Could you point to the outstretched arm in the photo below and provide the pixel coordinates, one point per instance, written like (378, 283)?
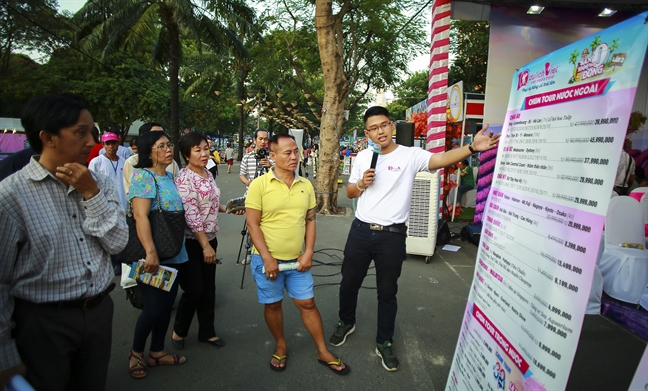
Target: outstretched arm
(481, 142)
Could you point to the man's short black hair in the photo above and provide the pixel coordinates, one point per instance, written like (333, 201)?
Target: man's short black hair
(134, 141)
(145, 147)
(375, 110)
(50, 114)
(256, 132)
(147, 127)
(190, 140)
(274, 140)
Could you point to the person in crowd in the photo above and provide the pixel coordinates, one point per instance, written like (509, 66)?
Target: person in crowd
(59, 223)
(304, 161)
(110, 164)
(625, 172)
(285, 232)
(229, 157)
(315, 159)
(15, 162)
(214, 158)
(133, 146)
(131, 162)
(121, 150)
(155, 155)
(201, 201)
(250, 147)
(467, 182)
(94, 152)
(378, 232)
(640, 178)
(250, 163)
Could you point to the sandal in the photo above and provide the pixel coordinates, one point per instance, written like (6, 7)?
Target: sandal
(344, 371)
(280, 359)
(138, 370)
(177, 360)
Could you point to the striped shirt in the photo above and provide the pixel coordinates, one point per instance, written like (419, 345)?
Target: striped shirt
(249, 166)
(54, 246)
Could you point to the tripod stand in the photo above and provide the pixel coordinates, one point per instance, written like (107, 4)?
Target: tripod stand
(245, 235)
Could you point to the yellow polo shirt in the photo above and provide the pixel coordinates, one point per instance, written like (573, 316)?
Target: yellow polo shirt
(283, 213)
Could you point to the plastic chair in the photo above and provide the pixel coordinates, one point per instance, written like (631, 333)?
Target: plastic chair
(624, 270)
(638, 192)
(594, 302)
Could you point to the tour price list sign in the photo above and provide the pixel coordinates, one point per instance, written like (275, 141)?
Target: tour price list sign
(557, 160)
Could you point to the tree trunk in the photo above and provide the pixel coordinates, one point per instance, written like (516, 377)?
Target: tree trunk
(175, 51)
(329, 39)
(241, 112)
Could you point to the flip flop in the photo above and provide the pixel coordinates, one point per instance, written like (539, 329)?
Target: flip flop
(177, 360)
(346, 369)
(280, 359)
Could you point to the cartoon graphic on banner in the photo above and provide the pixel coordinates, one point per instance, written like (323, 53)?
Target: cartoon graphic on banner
(544, 215)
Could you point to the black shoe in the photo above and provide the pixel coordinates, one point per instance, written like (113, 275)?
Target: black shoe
(386, 353)
(342, 331)
(219, 343)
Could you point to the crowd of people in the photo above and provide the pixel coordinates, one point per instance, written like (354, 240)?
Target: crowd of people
(56, 273)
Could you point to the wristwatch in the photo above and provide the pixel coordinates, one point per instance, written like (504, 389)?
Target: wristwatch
(472, 150)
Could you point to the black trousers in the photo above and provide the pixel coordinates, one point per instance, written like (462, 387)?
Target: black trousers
(198, 282)
(64, 348)
(387, 249)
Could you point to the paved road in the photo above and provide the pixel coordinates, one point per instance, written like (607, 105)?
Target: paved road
(432, 298)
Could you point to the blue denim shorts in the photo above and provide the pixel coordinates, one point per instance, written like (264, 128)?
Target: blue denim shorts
(299, 285)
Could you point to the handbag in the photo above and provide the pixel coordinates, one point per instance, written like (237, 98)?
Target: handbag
(167, 229)
(134, 295)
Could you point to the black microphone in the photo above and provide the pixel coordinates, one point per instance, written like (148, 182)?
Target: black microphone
(376, 152)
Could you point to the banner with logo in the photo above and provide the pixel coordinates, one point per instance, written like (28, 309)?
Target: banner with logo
(456, 102)
(544, 216)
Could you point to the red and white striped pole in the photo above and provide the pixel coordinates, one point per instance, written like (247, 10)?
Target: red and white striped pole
(438, 79)
(438, 82)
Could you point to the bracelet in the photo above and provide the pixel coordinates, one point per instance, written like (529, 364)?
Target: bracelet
(360, 188)
(472, 150)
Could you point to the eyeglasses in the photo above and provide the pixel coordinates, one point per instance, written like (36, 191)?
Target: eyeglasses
(384, 126)
(164, 147)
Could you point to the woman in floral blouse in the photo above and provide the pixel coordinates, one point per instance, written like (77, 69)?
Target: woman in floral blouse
(201, 202)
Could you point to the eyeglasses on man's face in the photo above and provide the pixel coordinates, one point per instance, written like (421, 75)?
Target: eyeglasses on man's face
(164, 146)
(384, 126)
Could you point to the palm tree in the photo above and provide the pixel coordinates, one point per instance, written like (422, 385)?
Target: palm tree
(573, 59)
(160, 26)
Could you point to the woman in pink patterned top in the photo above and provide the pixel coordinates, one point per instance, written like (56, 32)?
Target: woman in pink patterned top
(200, 200)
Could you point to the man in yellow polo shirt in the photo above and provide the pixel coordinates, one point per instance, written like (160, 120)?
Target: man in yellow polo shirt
(280, 210)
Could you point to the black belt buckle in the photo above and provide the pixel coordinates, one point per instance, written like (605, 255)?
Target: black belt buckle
(376, 227)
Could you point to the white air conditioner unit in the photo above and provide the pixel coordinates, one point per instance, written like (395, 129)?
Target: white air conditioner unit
(423, 218)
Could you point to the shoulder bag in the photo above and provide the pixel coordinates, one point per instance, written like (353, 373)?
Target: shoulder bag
(167, 229)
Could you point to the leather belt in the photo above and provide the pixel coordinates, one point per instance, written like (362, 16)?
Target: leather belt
(398, 228)
(82, 304)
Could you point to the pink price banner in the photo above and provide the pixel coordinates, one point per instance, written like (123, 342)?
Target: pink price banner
(501, 340)
(581, 91)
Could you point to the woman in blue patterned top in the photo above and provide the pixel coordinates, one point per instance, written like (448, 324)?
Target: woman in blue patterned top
(155, 154)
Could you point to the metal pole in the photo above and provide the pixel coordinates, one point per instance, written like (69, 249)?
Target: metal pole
(461, 143)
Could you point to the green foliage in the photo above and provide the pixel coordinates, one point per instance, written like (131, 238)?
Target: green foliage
(397, 110)
(408, 93)
(374, 49)
(28, 25)
(469, 54)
